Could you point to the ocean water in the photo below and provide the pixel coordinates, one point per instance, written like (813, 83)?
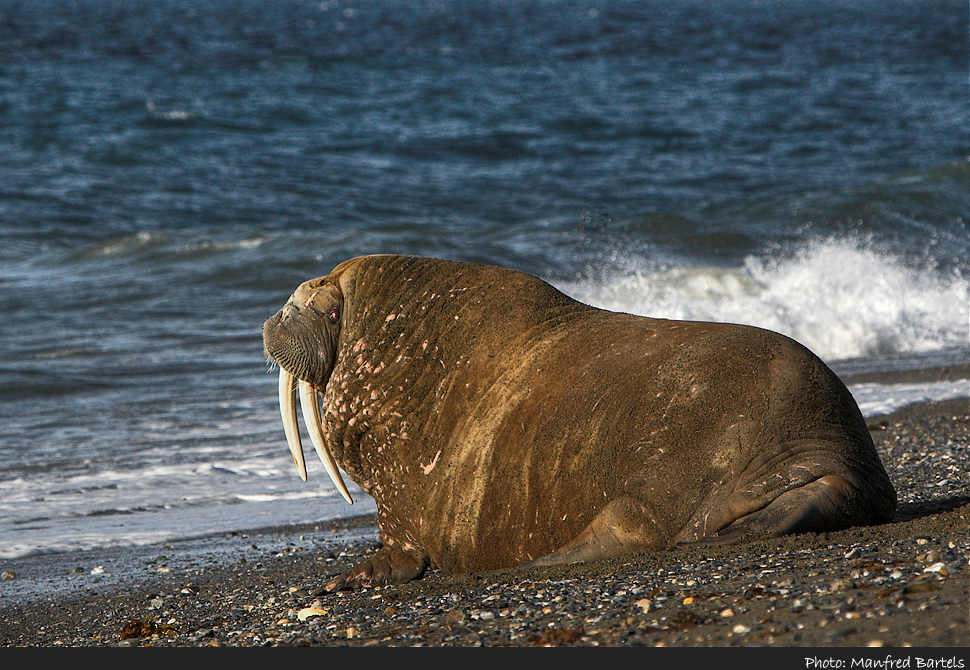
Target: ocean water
(171, 170)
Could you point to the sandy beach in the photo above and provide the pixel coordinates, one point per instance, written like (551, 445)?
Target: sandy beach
(902, 584)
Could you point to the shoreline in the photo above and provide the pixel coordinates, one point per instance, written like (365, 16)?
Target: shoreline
(905, 583)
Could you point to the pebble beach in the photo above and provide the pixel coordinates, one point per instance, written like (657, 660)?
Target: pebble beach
(902, 584)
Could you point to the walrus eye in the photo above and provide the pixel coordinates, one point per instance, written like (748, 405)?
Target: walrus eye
(334, 316)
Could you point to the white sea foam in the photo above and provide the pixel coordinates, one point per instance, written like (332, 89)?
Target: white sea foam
(159, 502)
(877, 399)
(840, 298)
(61, 534)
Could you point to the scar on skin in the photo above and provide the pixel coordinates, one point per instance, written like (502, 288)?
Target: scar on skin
(428, 468)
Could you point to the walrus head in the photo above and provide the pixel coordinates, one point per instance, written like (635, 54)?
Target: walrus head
(302, 339)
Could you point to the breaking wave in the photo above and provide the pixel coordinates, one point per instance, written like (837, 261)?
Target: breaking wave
(841, 298)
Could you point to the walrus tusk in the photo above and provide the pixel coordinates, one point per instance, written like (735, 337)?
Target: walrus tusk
(310, 402)
(290, 428)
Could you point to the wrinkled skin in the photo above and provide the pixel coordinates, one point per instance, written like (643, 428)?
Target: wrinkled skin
(497, 422)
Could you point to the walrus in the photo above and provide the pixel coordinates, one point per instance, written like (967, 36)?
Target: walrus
(498, 422)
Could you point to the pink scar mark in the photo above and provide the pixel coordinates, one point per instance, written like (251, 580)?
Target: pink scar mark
(428, 468)
(313, 294)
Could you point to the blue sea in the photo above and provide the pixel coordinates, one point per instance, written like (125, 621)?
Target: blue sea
(170, 170)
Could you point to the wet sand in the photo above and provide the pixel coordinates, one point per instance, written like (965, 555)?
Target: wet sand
(902, 584)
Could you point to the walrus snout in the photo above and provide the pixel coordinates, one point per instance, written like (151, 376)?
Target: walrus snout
(288, 339)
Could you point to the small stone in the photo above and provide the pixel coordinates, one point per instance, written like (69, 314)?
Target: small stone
(689, 600)
(645, 604)
(920, 587)
(740, 629)
(7, 574)
(352, 633)
(841, 585)
(308, 612)
(727, 612)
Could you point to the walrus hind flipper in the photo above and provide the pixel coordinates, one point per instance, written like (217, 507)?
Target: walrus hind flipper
(622, 527)
(825, 504)
(387, 566)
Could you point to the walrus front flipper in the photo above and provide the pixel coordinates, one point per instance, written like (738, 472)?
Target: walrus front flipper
(390, 565)
(622, 527)
(825, 504)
